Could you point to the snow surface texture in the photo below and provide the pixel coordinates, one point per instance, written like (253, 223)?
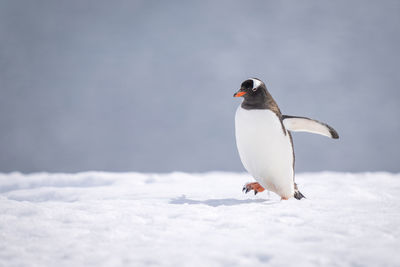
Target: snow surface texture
(180, 219)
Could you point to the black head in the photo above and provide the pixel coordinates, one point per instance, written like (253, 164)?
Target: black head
(256, 96)
(250, 88)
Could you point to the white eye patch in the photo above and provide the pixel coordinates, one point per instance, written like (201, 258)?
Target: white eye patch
(256, 83)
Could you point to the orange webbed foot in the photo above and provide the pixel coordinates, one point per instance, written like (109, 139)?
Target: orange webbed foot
(253, 186)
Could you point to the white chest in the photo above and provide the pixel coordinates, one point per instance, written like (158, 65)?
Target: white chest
(265, 149)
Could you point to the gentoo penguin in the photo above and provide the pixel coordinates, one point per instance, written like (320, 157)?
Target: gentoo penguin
(264, 141)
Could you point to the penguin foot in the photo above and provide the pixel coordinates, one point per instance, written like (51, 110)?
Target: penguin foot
(253, 186)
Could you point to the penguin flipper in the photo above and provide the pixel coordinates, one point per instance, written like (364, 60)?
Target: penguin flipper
(303, 124)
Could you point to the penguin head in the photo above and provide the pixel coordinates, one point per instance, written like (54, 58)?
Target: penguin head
(250, 88)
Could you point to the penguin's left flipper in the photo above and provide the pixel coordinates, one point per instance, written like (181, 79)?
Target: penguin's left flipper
(303, 124)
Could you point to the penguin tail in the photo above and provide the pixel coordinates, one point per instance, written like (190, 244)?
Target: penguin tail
(297, 194)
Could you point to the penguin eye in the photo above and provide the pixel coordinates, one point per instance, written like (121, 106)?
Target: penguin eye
(254, 89)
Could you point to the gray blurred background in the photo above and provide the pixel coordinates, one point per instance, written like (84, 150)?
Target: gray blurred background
(148, 85)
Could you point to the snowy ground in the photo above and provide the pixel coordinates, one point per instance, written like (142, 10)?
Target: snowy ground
(180, 219)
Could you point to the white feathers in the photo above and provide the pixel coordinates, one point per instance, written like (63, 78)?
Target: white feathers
(256, 83)
(265, 150)
(301, 124)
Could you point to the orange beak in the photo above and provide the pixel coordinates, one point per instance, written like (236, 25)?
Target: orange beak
(239, 94)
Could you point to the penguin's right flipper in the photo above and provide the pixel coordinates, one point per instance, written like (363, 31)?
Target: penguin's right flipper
(303, 124)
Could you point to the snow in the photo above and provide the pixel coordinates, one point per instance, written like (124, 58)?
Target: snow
(182, 219)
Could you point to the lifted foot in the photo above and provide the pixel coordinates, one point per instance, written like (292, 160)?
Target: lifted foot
(253, 186)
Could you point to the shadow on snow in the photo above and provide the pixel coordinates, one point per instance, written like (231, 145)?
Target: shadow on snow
(218, 202)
